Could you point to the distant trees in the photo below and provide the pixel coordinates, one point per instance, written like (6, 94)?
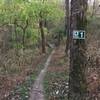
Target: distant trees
(28, 19)
(94, 4)
(77, 79)
(94, 8)
(46, 13)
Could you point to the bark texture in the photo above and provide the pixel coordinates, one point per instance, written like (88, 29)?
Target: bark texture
(41, 25)
(67, 24)
(77, 80)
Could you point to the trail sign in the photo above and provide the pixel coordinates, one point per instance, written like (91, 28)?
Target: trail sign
(78, 34)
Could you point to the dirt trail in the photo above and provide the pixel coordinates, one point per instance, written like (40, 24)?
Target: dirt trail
(37, 92)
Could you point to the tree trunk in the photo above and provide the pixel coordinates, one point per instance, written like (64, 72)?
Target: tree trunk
(16, 35)
(23, 38)
(67, 24)
(59, 39)
(77, 80)
(93, 12)
(42, 36)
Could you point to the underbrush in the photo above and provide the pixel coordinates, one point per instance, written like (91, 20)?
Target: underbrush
(21, 92)
(13, 62)
(18, 72)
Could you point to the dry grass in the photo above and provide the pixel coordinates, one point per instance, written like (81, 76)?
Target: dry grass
(16, 68)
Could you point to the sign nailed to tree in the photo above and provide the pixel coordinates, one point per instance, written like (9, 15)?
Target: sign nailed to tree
(78, 34)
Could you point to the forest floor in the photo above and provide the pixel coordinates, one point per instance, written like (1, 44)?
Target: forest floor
(56, 79)
(16, 86)
(47, 75)
(52, 82)
(37, 92)
(47, 78)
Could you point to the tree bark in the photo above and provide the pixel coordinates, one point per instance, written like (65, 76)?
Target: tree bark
(23, 38)
(67, 24)
(42, 34)
(77, 79)
(93, 12)
(24, 30)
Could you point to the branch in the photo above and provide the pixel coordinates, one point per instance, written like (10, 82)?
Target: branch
(23, 27)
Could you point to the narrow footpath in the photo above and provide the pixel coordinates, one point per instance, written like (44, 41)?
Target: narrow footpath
(37, 92)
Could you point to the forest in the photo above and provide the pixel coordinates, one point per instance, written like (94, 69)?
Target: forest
(49, 49)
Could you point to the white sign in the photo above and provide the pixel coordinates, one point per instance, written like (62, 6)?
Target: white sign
(78, 34)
